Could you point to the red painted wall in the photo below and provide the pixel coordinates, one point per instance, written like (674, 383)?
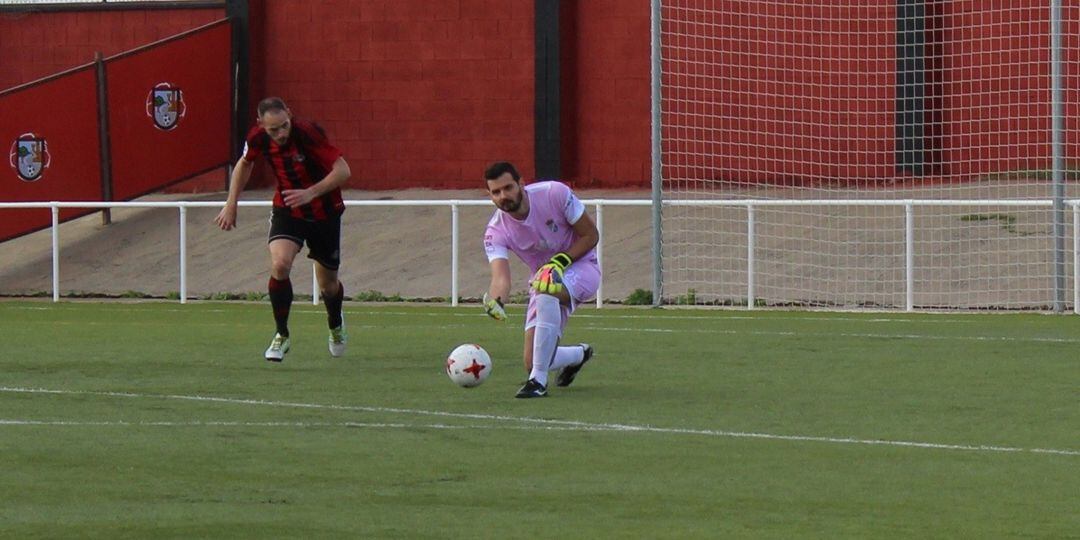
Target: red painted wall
(35, 45)
(992, 86)
(417, 93)
(144, 157)
(605, 93)
(800, 93)
(63, 111)
(786, 93)
(424, 93)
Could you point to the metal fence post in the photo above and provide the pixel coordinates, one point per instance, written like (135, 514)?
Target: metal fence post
(600, 252)
(55, 252)
(750, 293)
(183, 254)
(454, 218)
(909, 256)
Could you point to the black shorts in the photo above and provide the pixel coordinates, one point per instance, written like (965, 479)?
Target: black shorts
(323, 237)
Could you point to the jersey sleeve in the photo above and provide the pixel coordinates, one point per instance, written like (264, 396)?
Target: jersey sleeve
(252, 148)
(319, 146)
(572, 207)
(495, 244)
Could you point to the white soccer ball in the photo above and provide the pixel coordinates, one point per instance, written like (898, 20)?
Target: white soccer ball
(468, 365)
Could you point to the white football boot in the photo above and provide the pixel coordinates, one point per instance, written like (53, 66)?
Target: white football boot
(338, 338)
(277, 349)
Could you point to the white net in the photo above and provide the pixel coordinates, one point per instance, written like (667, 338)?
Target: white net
(866, 100)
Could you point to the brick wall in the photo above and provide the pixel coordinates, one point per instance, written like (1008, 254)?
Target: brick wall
(606, 93)
(35, 45)
(991, 86)
(418, 93)
(425, 93)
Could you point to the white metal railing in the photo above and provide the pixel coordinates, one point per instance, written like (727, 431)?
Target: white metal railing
(599, 204)
(182, 206)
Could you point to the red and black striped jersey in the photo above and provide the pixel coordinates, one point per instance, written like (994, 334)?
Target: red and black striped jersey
(304, 160)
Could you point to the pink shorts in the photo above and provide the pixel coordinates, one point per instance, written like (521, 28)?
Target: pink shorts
(581, 280)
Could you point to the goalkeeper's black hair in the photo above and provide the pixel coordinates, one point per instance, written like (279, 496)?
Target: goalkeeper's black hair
(499, 168)
(271, 104)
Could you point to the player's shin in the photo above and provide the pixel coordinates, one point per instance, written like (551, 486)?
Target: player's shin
(333, 305)
(281, 297)
(567, 356)
(546, 337)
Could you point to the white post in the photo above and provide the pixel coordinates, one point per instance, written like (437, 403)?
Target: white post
(314, 286)
(183, 254)
(750, 256)
(1076, 258)
(454, 253)
(909, 256)
(55, 253)
(655, 140)
(1057, 150)
(600, 252)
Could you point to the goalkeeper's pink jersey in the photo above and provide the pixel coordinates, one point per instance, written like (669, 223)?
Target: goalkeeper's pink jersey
(547, 230)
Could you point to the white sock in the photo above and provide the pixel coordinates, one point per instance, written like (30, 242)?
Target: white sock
(567, 356)
(546, 337)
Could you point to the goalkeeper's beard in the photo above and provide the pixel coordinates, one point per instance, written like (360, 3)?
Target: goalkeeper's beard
(511, 206)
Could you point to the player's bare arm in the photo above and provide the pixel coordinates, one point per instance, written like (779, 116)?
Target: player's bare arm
(226, 219)
(338, 176)
(500, 279)
(499, 290)
(548, 278)
(588, 237)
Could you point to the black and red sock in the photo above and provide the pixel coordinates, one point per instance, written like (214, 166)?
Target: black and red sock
(333, 306)
(281, 297)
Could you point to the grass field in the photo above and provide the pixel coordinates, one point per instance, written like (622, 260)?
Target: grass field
(160, 420)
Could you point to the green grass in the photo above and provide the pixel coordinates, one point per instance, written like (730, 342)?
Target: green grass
(161, 420)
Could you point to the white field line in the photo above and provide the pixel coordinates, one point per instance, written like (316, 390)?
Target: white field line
(832, 334)
(710, 331)
(532, 423)
(717, 331)
(227, 423)
(714, 315)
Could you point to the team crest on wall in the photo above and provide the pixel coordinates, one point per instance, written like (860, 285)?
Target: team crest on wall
(29, 156)
(165, 105)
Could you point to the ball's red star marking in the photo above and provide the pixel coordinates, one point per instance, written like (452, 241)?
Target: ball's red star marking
(475, 369)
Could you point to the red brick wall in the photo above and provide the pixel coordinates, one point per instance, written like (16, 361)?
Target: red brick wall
(35, 45)
(992, 85)
(787, 92)
(605, 93)
(417, 93)
(424, 93)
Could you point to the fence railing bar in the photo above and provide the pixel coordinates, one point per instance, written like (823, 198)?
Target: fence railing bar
(454, 204)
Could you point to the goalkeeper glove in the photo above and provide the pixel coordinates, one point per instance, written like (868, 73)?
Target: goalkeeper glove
(494, 308)
(548, 278)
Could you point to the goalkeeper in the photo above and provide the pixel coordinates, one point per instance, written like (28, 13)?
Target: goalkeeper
(546, 226)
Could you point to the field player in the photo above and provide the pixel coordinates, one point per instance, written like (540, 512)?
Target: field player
(307, 208)
(546, 226)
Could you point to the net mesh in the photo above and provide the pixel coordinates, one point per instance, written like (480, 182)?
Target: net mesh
(869, 100)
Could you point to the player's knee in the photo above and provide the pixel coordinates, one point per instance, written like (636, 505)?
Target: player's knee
(280, 268)
(330, 289)
(562, 296)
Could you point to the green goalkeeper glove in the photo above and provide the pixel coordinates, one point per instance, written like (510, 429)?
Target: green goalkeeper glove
(548, 278)
(494, 308)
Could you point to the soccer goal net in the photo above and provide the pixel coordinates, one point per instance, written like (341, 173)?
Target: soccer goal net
(869, 153)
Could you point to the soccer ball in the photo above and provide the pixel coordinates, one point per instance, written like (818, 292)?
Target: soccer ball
(468, 365)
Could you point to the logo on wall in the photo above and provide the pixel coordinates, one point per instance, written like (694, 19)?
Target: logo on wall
(165, 105)
(29, 157)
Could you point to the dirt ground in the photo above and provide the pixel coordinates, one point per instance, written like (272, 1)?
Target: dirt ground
(402, 250)
(837, 256)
